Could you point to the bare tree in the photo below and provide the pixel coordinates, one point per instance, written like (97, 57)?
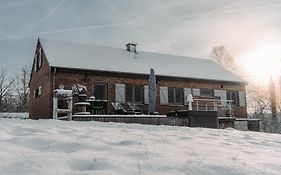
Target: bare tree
(222, 56)
(258, 99)
(262, 105)
(22, 89)
(5, 90)
(278, 95)
(272, 92)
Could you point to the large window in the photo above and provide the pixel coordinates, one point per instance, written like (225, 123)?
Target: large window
(133, 94)
(206, 93)
(232, 95)
(100, 91)
(175, 95)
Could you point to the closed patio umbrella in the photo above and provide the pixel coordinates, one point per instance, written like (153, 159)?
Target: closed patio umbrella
(152, 92)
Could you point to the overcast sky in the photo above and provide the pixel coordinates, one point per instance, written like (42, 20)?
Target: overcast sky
(182, 27)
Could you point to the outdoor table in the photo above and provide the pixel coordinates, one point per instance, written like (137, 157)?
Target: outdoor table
(97, 106)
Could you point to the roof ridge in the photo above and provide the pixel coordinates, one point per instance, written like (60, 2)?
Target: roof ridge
(143, 51)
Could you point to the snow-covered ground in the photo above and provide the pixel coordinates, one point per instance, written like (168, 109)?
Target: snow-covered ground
(22, 115)
(59, 147)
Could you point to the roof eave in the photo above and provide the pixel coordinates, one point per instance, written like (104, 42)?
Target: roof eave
(141, 74)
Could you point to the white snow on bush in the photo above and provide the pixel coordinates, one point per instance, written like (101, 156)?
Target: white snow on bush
(59, 147)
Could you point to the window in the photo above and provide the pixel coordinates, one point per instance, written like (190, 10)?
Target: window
(38, 92)
(133, 94)
(206, 93)
(120, 93)
(175, 95)
(232, 95)
(195, 92)
(100, 91)
(38, 60)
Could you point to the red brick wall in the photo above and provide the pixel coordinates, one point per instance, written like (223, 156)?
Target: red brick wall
(238, 111)
(40, 107)
(70, 77)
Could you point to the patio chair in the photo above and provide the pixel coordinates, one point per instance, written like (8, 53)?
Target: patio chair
(134, 108)
(119, 109)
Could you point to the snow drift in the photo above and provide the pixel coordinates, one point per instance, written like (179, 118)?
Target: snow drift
(60, 147)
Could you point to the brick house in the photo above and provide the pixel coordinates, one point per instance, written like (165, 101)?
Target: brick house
(121, 75)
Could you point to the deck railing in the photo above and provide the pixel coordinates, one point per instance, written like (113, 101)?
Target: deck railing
(224, 107)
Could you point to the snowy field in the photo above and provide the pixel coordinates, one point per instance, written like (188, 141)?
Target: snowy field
(59, 147)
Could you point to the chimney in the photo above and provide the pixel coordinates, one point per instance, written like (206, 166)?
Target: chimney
(132, 47)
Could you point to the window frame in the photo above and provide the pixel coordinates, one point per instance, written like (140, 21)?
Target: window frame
(38, 60)
(173, 101)
(133, 93)
(206, 95)
(38, 92)
(229, 96)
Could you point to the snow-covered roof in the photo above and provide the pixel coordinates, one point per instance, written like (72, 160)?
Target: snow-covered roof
(91, 57)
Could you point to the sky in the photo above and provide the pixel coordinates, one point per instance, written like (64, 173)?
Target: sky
(249, 29)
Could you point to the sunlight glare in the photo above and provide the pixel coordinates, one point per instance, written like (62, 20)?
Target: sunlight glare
(261, 63)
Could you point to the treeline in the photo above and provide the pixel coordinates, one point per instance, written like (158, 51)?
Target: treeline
(14, 90)
(264, 102)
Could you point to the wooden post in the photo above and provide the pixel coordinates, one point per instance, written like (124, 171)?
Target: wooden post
(65, 95)
(69, 114)
(55, 108)
(229, 106)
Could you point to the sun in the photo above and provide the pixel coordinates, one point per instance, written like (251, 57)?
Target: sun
(262, 63)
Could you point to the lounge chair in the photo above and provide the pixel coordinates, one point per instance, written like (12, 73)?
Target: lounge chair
(134, 108)
(119, 109)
